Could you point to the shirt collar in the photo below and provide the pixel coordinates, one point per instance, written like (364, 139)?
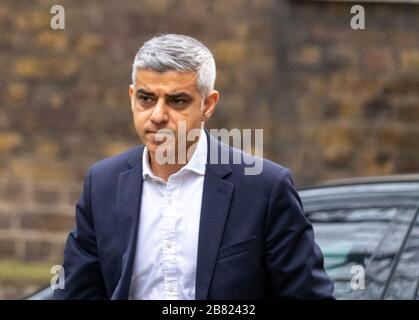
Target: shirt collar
(196, 164)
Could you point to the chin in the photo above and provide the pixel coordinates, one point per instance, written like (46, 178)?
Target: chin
(151, 147)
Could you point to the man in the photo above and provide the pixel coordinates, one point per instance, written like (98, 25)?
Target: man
(148, 228)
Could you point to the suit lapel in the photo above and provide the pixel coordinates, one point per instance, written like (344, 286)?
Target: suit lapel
(129, 203)
(217, 194)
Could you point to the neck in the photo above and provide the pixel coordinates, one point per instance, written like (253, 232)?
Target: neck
(164, 171)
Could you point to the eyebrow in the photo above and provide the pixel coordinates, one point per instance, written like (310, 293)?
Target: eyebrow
(145, 92)
(170, 96)
(178, 95)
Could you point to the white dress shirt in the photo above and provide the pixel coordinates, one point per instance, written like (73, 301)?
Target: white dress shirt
(167, 244)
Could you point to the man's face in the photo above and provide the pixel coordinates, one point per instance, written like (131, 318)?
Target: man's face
(160, 100)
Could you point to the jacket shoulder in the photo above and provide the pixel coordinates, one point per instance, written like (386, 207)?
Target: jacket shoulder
(119, 162)
(264, 173)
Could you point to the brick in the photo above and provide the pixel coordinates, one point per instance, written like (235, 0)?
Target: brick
(47, 148)
(340, 57)
(379, 107)
(377, 163)
(40, 170)
(229, 52)
(307, 56)
(34, 68)
(47, 222)
(89, 44)
(16, 92)
(9, 140)
(49, 40)
(46, 196)
(5, 220)
(7, 248)
(378, 59)
(4, 119)
(409, 113)
(13, 192)
(4, 12)
(30, 20)
(37, 250)
(409, 60)
(338, 144)
(56, 100)
(350, 109)
(111, 149)
(409, 141)
(408, 163)
(388, 137)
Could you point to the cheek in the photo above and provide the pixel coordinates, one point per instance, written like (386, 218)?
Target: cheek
(191, 116)
(195, 118)
(139, 120)
(190, 121)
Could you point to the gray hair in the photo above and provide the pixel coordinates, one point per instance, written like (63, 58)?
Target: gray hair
(166, 52)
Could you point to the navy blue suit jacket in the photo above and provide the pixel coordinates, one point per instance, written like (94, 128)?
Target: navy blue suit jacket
(254, 240)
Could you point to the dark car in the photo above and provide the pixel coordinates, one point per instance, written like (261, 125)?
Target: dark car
(368, 230)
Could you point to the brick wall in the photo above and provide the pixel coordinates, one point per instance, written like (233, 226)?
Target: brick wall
(333, 102)
(353, 94)
(35, 218)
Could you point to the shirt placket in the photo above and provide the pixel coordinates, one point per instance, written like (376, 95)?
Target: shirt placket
(169, 217)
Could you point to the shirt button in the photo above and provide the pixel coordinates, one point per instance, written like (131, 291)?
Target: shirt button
(168, 246)
(171, 289)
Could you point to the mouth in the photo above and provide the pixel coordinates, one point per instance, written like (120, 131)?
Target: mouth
(160, 136)
(166, 132)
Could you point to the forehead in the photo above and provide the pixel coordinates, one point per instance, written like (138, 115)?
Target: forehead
(167, 81)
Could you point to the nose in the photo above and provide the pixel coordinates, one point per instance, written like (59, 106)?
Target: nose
(159, 114)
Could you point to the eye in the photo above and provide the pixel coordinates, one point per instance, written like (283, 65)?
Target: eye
(145, 99)
(178, 101)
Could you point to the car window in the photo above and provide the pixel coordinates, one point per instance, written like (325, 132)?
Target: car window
(366, 237)
(404, 277)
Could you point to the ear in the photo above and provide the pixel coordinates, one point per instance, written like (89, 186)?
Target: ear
(210, 103)
(131, 93)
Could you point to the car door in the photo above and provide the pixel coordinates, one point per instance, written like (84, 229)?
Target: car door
(363, 231)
